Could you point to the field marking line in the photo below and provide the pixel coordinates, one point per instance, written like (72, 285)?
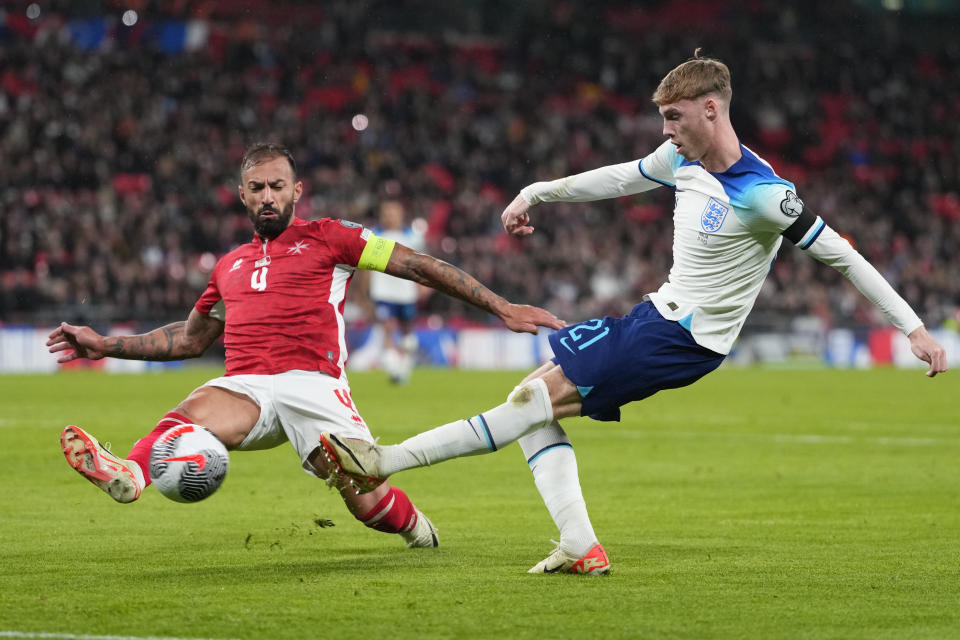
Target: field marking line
(83, 636)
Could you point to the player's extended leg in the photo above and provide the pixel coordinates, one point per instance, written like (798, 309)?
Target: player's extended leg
(554, 466)
(228, 414)
(386, 508)
(544, 395)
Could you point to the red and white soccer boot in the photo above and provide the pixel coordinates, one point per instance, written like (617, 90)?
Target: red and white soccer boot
(594, 562)
(122, 479)
(355, 458)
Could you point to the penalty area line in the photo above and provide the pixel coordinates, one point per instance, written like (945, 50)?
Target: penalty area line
(84, 636)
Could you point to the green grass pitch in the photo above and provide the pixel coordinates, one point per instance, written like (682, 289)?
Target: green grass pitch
(754, 504)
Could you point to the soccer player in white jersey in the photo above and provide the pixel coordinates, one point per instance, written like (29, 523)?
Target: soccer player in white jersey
(278, 300)
(732, 212)
(395, 299)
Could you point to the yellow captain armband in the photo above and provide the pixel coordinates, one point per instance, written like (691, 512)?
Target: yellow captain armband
(376, 254)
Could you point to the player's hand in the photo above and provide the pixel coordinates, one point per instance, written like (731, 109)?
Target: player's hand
(79, 342)
(516, 219)
(523, 318)
(929, 350)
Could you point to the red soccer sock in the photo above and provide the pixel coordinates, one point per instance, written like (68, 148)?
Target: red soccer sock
(141, 450)
(393, 514)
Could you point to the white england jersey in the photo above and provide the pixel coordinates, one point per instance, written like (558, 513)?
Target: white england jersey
(728, 227)
(387, 288)
(726, 234)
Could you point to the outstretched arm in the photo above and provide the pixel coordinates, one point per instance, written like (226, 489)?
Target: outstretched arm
(827, 246)
(612, 181)
(176, 341)
(437, 274)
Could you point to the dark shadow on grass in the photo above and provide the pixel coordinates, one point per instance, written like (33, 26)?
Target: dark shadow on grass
(264, 566)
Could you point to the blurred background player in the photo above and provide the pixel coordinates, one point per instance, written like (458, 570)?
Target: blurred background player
(278, 300)
(395, 299)
(731, 214)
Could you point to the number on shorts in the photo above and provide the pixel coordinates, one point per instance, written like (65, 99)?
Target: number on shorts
(343, 396)
(585, 334)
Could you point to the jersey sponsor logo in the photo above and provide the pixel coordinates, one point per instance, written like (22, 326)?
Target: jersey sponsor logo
(791, 206)
(350, 225)
(713, 216)
(262, 262)
(298, 247)
(236, 265)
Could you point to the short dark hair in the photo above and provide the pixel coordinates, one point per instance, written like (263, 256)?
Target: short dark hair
(263, 151)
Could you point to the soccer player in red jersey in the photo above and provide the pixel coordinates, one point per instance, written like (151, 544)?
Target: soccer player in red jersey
(279, 301)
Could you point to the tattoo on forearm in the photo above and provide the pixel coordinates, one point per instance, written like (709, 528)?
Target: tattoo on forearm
(166, 343)
(170, 332)
(448, 279)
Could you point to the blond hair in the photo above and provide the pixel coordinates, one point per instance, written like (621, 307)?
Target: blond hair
(694, 78)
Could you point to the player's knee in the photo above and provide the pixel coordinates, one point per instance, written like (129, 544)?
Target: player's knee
(523, 394)
(228, 415)
(533, 399)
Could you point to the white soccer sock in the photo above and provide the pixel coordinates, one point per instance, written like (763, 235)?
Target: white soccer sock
(410, 343)
(554, 465)
(527, 408)
(391, 361)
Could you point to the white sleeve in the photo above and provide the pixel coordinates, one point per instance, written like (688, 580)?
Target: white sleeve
(612, 181)
(830, 248)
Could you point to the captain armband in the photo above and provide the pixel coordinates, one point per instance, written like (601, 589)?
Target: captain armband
(376, 254)
(805, 229)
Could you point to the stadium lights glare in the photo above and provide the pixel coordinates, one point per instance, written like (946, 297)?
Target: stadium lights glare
(360, 122)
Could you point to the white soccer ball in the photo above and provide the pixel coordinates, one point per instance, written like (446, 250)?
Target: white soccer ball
(188, 463)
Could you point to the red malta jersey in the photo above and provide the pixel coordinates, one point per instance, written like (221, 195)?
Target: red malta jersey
(283, 298)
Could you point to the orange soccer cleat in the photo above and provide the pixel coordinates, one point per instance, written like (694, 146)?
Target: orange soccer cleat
(122, 479)
(593, 563)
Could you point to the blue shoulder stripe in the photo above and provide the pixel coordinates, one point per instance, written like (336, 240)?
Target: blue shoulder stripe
(651, 178)
(746, 173)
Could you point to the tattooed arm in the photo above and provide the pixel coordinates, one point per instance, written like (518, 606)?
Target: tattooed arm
(437, 274)
(176, 341)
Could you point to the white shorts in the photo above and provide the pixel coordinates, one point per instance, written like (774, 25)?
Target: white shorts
(297, 406)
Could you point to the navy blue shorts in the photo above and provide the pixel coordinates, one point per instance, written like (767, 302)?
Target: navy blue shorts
(398, 310)
(614, 361)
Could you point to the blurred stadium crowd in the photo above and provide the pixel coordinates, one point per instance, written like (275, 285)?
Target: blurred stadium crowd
(121, 142)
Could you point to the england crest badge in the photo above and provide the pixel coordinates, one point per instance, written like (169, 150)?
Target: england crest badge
(713, 215)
